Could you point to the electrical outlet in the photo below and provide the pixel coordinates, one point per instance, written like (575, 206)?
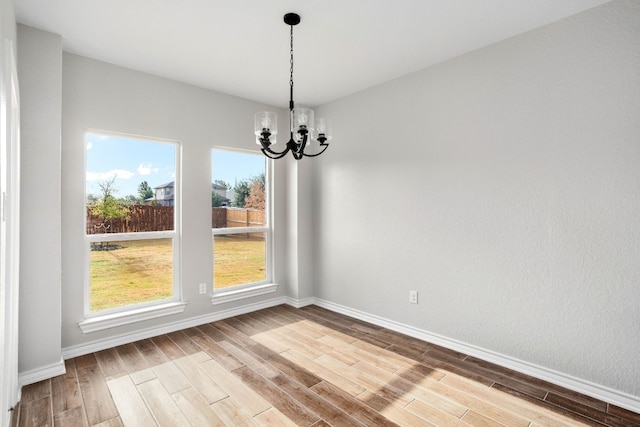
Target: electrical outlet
(413, 297)
(203, 288)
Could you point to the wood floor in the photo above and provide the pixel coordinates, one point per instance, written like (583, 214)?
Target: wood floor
(308, 367)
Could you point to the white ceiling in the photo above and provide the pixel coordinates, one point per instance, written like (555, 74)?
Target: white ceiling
(241, 47)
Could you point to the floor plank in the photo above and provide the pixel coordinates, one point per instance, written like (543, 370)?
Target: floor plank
(65, 390)
(285, 403)
(351, 405)
(392, 410)
(273, 417)
(131, 407)
(235, 388)
(328, 412)
(98, 402)
(110, 363)
(150, 352)
(36, 412)
(207, 387)
(71, 418)
(172, 379)
(196, 408)
(233, 414)
(213, 349)
(162, 406)
(324, 373)
(434, 415)
(131, 358)
(168, 347)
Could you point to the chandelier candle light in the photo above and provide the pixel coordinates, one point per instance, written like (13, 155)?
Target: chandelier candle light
(303, 129)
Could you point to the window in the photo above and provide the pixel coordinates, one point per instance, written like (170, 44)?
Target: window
(131, 237)
(240, 197)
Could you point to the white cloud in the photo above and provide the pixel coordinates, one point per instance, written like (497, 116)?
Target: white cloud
(89, 145)
(102, 176)
(146, 169)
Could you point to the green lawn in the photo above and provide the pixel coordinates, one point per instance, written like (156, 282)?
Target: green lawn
(238, 259)
(141, 270)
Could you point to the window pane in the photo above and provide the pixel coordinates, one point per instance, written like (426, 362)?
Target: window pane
(130, 272)
(130, 187)
(239, 259)
(238, 196)
(129, 184)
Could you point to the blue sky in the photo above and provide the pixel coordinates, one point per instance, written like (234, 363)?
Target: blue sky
(132, 161)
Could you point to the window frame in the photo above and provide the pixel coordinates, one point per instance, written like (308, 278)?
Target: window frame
(136, 312)
(247, 290)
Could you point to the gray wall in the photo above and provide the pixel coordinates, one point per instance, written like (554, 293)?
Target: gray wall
(40, 79)
(504, 186)
(300, 228)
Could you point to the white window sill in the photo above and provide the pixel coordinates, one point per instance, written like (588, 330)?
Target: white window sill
(113, 320)
(223, 297)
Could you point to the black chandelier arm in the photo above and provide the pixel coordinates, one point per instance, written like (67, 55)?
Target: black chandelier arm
(264, 141)
(297, 150)
(292, 146)
(324, 147)
(269, 152)
(272, 154)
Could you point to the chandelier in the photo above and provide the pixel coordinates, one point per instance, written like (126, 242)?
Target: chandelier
(303, 130)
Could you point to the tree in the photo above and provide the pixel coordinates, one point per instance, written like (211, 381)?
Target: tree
(108, 208)
(240, 193)
(216, 199)
(144, 191)
(255, 199)
(129, 200)
(92, 199)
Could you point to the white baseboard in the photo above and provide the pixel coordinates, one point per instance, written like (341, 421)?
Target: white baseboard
(298, 303)
(42, 373)
(103, 344)
(606, 394)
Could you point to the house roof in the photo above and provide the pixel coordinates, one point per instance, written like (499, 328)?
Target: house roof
(172, 184)
(167, 185)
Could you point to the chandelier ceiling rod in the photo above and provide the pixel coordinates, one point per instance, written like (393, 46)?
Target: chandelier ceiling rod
(303, 130)
(291, 19)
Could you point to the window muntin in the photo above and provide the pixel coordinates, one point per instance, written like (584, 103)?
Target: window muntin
(131, 240)
(240, 220)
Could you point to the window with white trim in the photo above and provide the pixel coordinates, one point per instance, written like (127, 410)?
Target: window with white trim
(240, 224)
(131, 242)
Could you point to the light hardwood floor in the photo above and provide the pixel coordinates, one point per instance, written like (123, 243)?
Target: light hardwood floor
(308, 367)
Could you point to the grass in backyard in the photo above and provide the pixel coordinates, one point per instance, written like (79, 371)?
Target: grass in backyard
(142, 270)
(238, 259)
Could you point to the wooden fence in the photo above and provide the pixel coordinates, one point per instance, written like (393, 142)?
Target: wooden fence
(157, 218)
(237, 217)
